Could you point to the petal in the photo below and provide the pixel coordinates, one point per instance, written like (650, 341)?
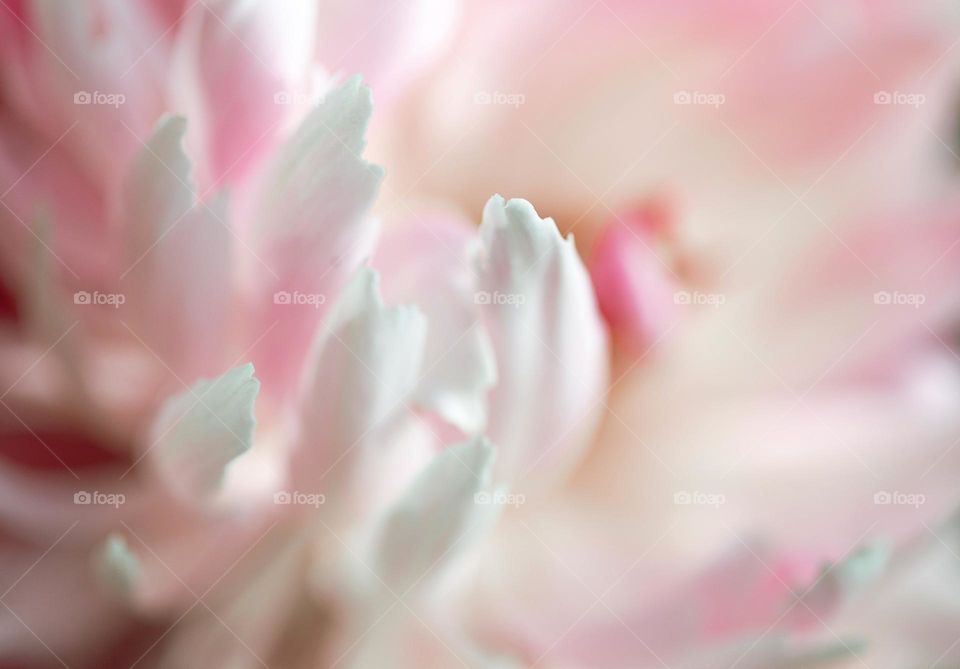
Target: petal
(54, 186)
(550, 343)
(388, 45)
(427, 262)
(437, 511)
(234, 58)
(200, 431)
(168, 554)
(842, 581)
(365, 367)
(91, 79)
(634, 287)
(311, 228)
(892, 282)
(158, 188)
(654, 606)
(910, 615)
(118, 563)
(178, 256)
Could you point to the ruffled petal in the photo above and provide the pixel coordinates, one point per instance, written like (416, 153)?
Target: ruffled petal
(423, 529)
(426, 261)
(201, 430)
(311, 228)
(550, 343)
(178, 256)
(364, 369)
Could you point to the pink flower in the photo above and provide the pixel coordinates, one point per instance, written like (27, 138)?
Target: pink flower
(136, 277)
(766, 195)
(245, 428)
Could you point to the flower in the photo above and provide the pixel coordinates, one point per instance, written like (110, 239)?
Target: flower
(767, 201)
(130, 266)
(288, 439)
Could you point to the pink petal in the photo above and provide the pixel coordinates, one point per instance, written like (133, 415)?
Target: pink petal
(310, 230)
(237, 59)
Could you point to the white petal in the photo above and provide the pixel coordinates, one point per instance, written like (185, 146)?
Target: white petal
(158, 190)
(550, 343)
(199, 431)
(311, 228)
(364, 369)
(427, 261)
(119, 564)
(178, 276)
(433, 517)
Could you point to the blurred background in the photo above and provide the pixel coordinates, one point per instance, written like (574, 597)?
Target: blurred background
(763, 194)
